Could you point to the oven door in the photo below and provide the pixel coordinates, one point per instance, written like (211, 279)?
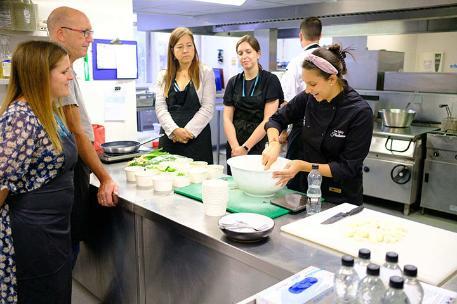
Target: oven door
(439, 191)
(390, 180)
(145, 118)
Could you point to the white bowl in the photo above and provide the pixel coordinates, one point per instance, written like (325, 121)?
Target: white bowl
(183, 160)
(131, 171)
(181, 181)
(248, 172)
(144, 178)
(198, 164)
(163, 183)
(197, 175)
(215, 171)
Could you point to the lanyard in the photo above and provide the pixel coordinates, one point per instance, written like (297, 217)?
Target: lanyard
(253, 87)
(63, 131)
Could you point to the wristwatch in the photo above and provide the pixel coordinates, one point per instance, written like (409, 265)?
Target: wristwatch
(245, 148)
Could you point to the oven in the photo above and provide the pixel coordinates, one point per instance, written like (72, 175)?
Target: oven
(439, 184)
(393, 167)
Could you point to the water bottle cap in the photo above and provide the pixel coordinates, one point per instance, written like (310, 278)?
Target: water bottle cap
(347, 260)
(364, 253)
(373, 269)
(410, 271)
(315, 166)
(392, 257)
(396, 282)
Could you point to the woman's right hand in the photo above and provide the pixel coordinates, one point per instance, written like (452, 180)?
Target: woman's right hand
(270, 154)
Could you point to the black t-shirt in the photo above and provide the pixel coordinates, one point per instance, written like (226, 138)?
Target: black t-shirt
(268, 86)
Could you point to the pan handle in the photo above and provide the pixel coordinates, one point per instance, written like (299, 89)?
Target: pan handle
(149, 140)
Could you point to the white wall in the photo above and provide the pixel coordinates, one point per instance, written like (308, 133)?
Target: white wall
(439, 42)
(290, 47)
(208, 54)
(110, 19)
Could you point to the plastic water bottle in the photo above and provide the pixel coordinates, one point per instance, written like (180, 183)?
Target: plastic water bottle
(412, 286)
(371, 288)
(313, 204)
(346, 281)
(390, 268)
(395, 293)
(362, 262)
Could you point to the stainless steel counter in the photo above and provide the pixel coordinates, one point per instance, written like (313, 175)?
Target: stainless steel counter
(163, 249)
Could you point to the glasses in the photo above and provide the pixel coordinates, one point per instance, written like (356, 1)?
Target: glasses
(181, 47)
(86, 33)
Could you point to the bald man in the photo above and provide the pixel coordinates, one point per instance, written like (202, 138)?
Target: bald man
(72, 29)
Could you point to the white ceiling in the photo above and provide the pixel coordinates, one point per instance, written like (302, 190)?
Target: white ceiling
(196, 8)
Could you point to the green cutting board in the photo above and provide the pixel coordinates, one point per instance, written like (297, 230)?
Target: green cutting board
(239, 201)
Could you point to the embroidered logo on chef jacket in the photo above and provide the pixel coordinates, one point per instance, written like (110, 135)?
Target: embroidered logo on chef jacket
(338, 133)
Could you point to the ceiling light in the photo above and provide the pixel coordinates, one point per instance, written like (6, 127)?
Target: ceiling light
(225, 2)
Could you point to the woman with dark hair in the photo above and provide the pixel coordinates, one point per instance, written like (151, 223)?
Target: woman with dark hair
(37, 157)
(337, 129)
(250, 98)
(185, 94)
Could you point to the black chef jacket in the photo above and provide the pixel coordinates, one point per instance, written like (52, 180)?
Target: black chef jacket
(337, 133)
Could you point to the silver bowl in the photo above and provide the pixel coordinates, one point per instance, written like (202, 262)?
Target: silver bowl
(397, 118)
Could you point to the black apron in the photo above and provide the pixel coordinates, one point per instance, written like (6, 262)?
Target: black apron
(40, 225)
(311, 137)
(182, 106)
(249, 112)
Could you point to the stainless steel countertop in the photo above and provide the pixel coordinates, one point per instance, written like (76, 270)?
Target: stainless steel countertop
(410, 133)
(281, 254)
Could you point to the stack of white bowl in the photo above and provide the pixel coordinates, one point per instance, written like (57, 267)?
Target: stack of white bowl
(215, 196)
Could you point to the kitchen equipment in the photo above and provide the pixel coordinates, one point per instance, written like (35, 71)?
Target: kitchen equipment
(246, 227)
(449, 123)
(125, 147)
(251, 177)
(342, 215)
(366, 71)
(397, 118)
(435, 265)
(393, 168)
(420, 82)
(439, 191)
(146, 119)
(294, 202)
(115, 158)
(238, 201)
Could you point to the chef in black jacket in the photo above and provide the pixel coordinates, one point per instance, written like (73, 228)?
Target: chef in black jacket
(337, 129)
(250, 98)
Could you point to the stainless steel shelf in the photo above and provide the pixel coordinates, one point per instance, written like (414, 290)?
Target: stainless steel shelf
(379, 92)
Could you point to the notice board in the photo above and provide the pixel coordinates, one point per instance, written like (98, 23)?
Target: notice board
(111, 61)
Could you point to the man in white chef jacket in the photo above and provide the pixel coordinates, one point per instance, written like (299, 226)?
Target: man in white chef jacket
(292, 82)
(72, 29)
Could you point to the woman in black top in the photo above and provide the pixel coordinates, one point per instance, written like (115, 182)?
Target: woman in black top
(250, 98)
(337, 129)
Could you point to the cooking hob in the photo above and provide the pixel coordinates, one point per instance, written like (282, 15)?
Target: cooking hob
(116, 158)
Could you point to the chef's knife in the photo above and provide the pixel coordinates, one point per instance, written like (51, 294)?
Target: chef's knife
(339, 216)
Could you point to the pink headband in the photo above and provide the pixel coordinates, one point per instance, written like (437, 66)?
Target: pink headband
(322, 64)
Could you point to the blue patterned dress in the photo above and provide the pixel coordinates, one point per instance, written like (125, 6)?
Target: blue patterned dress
(28, 161)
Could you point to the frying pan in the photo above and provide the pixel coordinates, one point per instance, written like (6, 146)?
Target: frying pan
(124, 146)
